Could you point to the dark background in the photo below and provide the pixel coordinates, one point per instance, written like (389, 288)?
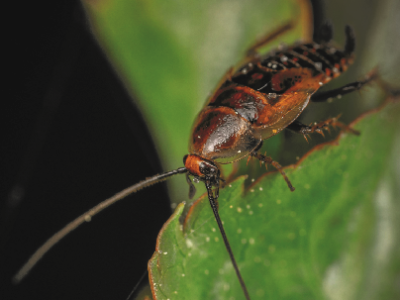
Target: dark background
(70, 138)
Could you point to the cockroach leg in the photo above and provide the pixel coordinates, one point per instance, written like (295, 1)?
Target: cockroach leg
(339, 92)
(305, 130)
(269, 160)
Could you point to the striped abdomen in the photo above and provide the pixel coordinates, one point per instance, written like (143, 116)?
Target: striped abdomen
(319, 59)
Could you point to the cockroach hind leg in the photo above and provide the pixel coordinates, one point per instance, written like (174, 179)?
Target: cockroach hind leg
(321, 130)
(324, 125)
(346, 89)
(333, 122)
(345, 128)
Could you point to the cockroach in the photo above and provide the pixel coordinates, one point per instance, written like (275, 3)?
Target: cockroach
(258, 99)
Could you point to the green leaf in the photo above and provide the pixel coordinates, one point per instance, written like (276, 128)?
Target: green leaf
(330, 239)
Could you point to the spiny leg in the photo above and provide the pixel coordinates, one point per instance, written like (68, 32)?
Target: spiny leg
(214, 207)
(348, 88)
(269, 160)
(305, 130)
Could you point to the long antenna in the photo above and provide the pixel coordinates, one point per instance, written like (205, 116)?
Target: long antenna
(86, 217)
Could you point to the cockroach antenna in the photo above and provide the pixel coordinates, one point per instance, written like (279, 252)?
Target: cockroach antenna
(87, 216)
(210, 180)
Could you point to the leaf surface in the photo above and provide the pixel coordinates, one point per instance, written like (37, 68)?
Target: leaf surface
(323, 241)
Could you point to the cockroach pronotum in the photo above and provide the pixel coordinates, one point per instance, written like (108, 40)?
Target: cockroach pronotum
(255, 101)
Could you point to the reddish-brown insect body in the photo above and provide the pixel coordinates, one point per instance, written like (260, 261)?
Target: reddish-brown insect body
(254, 102)
(260, 99)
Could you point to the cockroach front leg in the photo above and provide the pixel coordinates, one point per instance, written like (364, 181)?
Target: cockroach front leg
(270, 161)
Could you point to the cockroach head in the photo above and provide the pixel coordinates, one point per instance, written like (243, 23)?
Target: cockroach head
(202, 168)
